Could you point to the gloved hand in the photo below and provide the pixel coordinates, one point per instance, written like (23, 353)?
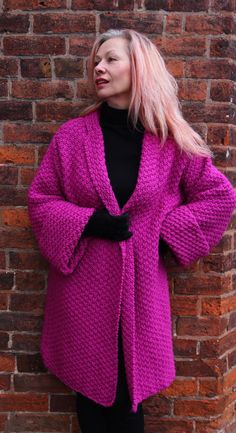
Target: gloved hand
(104, 225)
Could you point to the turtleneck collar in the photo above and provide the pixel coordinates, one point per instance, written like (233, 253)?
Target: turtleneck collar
(116, 116)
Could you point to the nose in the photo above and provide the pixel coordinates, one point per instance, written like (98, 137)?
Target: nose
(99, 68)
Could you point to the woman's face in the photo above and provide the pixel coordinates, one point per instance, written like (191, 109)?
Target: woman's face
(112, 76)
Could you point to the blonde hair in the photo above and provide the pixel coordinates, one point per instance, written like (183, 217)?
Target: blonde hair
(154, 92)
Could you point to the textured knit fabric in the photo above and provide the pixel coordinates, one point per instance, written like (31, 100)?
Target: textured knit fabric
(94, 282)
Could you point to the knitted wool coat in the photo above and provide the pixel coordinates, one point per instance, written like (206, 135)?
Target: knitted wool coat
(93, 282)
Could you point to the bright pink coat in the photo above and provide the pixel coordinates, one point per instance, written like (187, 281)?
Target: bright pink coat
(93, 282)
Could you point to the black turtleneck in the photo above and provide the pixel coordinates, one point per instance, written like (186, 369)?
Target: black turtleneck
(123, 146)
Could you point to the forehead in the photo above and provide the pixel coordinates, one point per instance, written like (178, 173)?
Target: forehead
(119, 45)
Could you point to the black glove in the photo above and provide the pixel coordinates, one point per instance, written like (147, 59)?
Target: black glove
(104, 225)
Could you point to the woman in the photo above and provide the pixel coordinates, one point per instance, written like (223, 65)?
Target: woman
(126, 175)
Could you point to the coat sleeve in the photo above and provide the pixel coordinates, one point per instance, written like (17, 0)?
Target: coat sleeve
(193, 228)
(57, 223)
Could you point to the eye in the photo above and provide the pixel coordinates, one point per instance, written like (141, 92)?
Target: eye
(111, 59)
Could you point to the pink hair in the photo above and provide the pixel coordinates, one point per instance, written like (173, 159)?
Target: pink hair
(154, 92)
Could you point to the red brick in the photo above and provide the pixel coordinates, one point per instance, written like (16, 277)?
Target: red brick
(28, 303)
(26, 175)
(218, 306)
(34, 4)
(140, 21)
(69, 68)
(4, 339)
(83, 90)
(26, 89)
(26, 342)
(20, 422)
(157, 404)
(184, 305)
(232, 320)
(210, 387)
(229, 379)
(223, 48)
(3, 422)
(102, 5)
(209, 24)
(207, 285)
(217, 347)
(13, 197)
(201, 367)
(20, 322)
(80, 46)
(3, 88)
(33, 45)
(183, 46)
(185, 348)
(205, 326)
(16, 238)
(175, 67)
(17, 155)
(14, 23)
(64, 23)
(3, 301)
(7, 362)
(15, 110)
(181, 388)
(15, 217)
(173, 23)
(2, 260)
(8, 67)
(59, 111)
(217, 423)
(209, 68)
(30, 281)
(23, 402)
(220, 5)
(5, 382)
(30, 363)
(25, 260)
(29, 133)
(217, 263)
(202, 407)
(232, 358)
(220, 135)
(199, 112)
(62, 403)
(170, 425)
(178, 5)
(39, 383)
(8, 175)
(6, 280)
(36, 68)
(225, 244)
(193, 90)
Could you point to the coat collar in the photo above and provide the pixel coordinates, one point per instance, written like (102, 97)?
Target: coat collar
(95, 153)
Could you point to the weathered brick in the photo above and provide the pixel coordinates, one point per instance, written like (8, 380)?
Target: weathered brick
(26, 89)
(2, 260)
(175, 67)
(217, 263)
(64, 23)
(62, 403)
(201, 367)
(14, 23)
(83, 90)
(36, 68)
(210, 68)
(220, 135)
(199, 112)
(8, 175)
(29, 133)
(3, 422)
(217, 347)
(31, 303)
(23, 402)
(210, 24)
(163, 425)
(229, 379)
(26, 260)
(216, 423)
(184, 305)
(34, 4)
(5, 382)
(17, 155)
(4, 339)
(183, 46)
(232, 358)
(102, 4)
(30, 281)
(26, 342)
(3, 88)
(181, 388)
(174, 23)
(15, 217)
(223, 5)
(210, 387)
(157, 404)
(26, 175)
(15, 110)
(19, 322)
(140, 21)
(185, 348)
(207, 285)
(177, 5)
(3, 301)
(33, 45)
(6, 280)
(218, 306)
(20, 422)
(80, 45)
(205, 326)
(30, 363)
(7, 362)
(8, 67)
(16, 238)
(202, 407)
(59, 111)
(13, 197)
(193, 90)
(232, 320)
(39, 383)
(69, 68)
(223, 48)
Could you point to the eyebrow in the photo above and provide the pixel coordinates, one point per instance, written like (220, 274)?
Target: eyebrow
(108, 52)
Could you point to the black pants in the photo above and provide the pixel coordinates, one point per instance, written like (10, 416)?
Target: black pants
(95, 418)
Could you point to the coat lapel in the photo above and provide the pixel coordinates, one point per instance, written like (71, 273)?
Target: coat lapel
(95, 153)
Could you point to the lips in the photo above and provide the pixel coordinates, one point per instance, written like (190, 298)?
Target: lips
(101, 81)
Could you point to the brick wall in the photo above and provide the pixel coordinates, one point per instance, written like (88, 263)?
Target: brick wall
(44, 45)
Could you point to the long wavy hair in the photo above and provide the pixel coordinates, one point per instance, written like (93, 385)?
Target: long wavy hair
(153, 95)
